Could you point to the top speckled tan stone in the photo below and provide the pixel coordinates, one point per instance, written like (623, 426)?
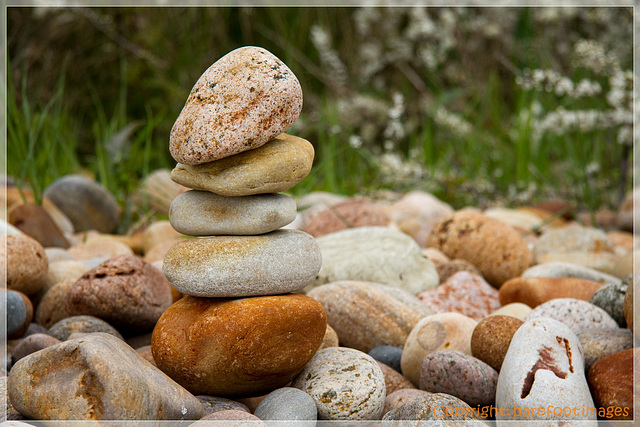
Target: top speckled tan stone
(242, 101)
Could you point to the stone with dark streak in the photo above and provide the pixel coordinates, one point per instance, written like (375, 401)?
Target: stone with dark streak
(543, 367)
(239, 103)
(96, 377)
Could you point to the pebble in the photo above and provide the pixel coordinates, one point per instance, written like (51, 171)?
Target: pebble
(565, 269)
(18, 314)
(92, 207)
(53, 306)
(394, 380)
(156, 191)
(600, 342)
(576, 314)
(534, 291)
(436, 256)
(442, 331)
(389, 355)
(375, 254)
(289, 404)
(56, 255)
(95, 378)
(448, 269)
(521, 220)
(65, 327)
(273, 263)
(252, 345)
(274, 167)
(398, 398)
(367, 315)
(345, 383)
(33, 220)
(330, 338)
(514, 309)
(351, 213)
(491, 339)
(60, 271)
(495, 248)
(144, 352)
(460, 375)
(465, 293)
(158, 252)
(543, 368)
(26, 263)
(433, 408)
(628, 304)
(611, 382)
(242, 101)
(610, 298)
(213, 404)
(31, 344)
(101, 248)
(202, 213)
(230, 418)
(124, 291)
(159, 232)
(416, 213)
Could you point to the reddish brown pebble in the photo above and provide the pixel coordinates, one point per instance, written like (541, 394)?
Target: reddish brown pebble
(236, 347)
(354, 212)
(496, 249)
(534, 291)
(491, 338)
(611, 382)
(33, 220)
(393, 379)
(31, 344)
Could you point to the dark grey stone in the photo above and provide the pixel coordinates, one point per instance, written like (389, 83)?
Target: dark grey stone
(16, 313)
(610, 298)
(388, 355)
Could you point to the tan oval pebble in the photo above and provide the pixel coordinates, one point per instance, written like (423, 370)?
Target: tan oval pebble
(495, 248)
(491, 338)
(235, 347)
(159, 232)
(534, 291)
(53, 306)
(345, 383)
(273, 263)
(239, 103)
(435, 256)
(26, 263)
(277, 166)
(366, 315)
(442, 331)
(99, 248)
(515, 309)
(202, 213)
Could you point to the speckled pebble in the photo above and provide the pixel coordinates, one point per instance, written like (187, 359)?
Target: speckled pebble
(239, 103)
(230, 418)
(288, 403)
(610, 298)
(574, 313)
(100, 248)
(26, 263)
(460, 375)
(212, 404)
(433, 408)
(346, 384)
(491, 339)
(600, 342)
(63, 329)
(388, 355)
(202, 213)
(274, 263)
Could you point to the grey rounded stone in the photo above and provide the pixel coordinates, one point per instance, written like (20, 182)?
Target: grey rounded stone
(610, 298)
(16, 314)
(387, 354)
(242, 101)
(290, 404)
(63, 329)
(88, 204)
(274, 263)
(201, 213)
(212, 404)
(346, 384)
(566, 269)
(599, 342)
(576, 314)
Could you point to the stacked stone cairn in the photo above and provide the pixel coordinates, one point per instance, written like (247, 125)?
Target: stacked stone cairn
(239, 330)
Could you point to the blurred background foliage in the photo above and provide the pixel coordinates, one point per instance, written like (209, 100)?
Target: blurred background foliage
(476, 105)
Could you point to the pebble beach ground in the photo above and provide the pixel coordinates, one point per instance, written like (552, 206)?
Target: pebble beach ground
(249, 306)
